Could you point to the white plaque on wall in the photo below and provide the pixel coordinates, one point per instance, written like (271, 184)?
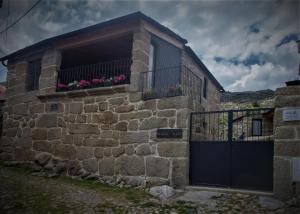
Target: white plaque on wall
(291, 114)
(296, 169)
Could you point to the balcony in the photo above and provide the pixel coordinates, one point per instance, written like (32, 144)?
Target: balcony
(170, 82)
(110, 73)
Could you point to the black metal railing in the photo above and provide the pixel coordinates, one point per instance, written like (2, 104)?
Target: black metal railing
(115, 72)
(171, 81)
(232, 125)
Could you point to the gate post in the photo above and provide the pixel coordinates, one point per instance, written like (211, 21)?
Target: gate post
(286, 180)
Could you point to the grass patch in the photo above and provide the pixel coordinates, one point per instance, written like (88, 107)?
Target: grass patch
(125, 193)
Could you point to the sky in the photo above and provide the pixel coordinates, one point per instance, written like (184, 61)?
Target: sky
(247, 45)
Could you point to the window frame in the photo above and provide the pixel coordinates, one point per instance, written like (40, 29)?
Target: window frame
(260, 130)
(34, 69)
(205, 86)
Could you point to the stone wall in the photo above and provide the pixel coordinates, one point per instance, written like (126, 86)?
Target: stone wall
(286, 145)
(107, 135)
(107, 132)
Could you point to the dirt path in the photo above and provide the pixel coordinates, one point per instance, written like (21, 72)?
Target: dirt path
(22, 192)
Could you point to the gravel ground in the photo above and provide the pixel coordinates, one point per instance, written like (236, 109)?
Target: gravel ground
(22, 192)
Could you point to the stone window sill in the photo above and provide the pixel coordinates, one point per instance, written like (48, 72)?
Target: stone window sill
(88, 92)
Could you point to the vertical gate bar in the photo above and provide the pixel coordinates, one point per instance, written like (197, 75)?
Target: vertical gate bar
(191, 124)
(230, 118)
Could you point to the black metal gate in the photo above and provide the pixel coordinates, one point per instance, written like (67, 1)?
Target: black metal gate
(232, 148)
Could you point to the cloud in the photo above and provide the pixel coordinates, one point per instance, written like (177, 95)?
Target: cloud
(244, 34)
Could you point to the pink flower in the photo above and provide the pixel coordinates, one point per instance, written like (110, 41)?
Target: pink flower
(119, 78)
(98, 81)
(84, 83)
(61, 86)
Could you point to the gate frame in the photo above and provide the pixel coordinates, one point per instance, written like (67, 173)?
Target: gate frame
(229, 140)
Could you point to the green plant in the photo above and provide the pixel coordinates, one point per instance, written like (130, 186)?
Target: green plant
(150, 94)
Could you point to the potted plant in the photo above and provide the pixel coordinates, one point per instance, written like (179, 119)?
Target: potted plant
(84, 84)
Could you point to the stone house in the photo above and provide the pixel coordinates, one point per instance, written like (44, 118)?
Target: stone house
(90, 102)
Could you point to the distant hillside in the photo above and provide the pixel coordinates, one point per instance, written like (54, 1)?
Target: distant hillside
(247, 96)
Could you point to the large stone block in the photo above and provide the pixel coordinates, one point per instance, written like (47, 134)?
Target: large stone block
(39, 134)
(11, 132)
(133, 125)
(282, 185)
(143, 149)
(91, 108)
(125, 108)
(85, 153)
(106, 117)
(98, 152)
(287, 148)
(116, 152)
(166, 113)
(10, 123)
(173, 102)
(54, 107)
(172, 149)
(42, 146)
(157, 167)
(22, 154)
(136, 115)
(182, 118)
(94, 142)
(180, 172)
(54, 133)
(103, 106)
(121, 126)
(21, 109)
(134, 137)
(106, 166)
(135, 97)
(47, 121)
(287, 101)
(51, 58)
(38, 108)
(148, 105)
(130, 165)
(75, 108)
(90, 165)
(74, 168)
(116, 101)
(65, 151)
(285, 132)
(154, 123)
(79, 128)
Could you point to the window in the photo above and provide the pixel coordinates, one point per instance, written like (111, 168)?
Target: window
(151, 67)
(33, 75)
(205, 88)
(256, 127)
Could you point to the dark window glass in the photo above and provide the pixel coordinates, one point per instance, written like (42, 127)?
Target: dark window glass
(205, 88)
(256, 127)
(33, 75)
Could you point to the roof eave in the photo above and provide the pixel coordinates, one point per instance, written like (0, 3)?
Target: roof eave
(96, 27)
(205, 69)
